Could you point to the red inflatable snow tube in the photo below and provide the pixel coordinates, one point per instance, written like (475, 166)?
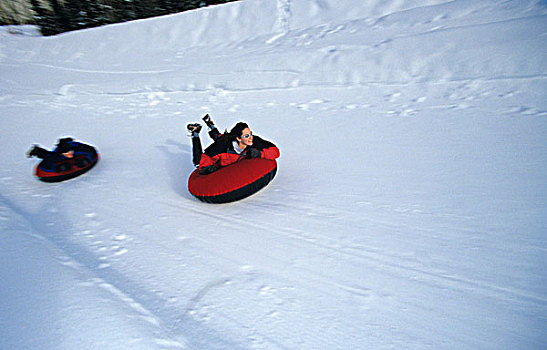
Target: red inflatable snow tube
(233, 182)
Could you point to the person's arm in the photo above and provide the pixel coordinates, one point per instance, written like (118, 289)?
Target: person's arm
(206, 165)
(210, 159)
(271, 153)
(267, 149)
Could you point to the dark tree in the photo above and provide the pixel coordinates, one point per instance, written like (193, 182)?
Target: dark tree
(79, 14)
(45, 19)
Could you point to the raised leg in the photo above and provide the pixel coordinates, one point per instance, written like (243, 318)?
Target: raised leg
(213, 132)
(38, 152)
(196, 150)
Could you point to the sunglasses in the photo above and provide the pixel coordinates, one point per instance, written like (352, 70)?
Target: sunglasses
(246, 136)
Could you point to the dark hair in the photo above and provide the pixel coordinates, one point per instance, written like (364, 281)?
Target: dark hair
(237, 130)
(64, 144)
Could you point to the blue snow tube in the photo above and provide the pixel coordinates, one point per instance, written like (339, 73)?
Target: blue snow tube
(56, 167)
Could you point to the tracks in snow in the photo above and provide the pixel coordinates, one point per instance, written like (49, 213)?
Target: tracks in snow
(277, 242)
(175, 330)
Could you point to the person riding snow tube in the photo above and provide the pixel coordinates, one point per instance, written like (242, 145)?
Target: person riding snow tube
(235, 166)
(68, 160)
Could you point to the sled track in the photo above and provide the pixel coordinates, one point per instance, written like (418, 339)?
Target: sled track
(356, 254)
(182, 330)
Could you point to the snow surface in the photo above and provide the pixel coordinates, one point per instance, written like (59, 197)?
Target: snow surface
(409, 210)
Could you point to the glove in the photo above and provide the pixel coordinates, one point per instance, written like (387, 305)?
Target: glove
(208, 170)
(253, 153)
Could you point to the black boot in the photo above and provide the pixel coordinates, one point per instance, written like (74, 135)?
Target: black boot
(213, 133)
(208, 121)
(194, 129)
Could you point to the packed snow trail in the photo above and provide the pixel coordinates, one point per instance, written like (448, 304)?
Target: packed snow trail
(408, 210)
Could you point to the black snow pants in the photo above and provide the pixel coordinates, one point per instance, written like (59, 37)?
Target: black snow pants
(197, 151)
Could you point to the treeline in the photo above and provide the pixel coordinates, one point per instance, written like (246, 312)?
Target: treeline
(58, 16)
(15, 12)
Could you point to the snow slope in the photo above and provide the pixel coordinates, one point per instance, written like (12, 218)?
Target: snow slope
(409, 210)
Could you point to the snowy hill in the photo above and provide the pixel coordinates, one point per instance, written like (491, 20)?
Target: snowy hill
(409, 210)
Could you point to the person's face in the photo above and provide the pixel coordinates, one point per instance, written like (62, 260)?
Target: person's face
(246, 138)
(69, 154)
